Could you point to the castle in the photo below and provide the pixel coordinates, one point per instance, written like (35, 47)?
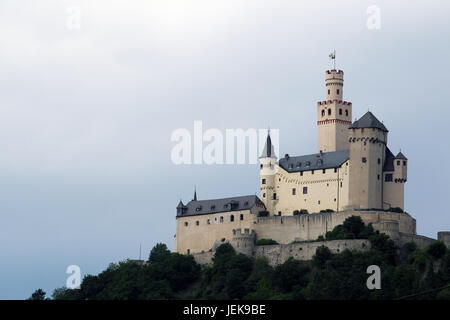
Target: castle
(303, 197)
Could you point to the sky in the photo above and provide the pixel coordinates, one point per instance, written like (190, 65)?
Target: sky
(91, 92)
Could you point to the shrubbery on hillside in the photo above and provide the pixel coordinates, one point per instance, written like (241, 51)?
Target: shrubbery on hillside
(235, 276)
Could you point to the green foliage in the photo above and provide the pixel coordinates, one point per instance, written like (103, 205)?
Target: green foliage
(263, 213)
(159, 253)
(352, 228)
(39, 294)
(236, 276)
(323, 254)
(265, 242)
(298, 212)
(437, 249)
(327, 210)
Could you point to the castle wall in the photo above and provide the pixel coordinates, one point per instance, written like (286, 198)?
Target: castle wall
(327, 190)
(310, 226)
(278, 254)
(197, 238)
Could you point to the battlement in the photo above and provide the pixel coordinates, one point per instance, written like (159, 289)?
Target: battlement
(345, 103)
(238, 234)
(334, 71)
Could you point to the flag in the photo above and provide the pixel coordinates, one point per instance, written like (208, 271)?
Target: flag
(332, 55)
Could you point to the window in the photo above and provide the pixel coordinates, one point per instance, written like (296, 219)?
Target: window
(293, 191)
(337, 91)
(279, 213)
(261, 166)
(274, 196)
(231, 218)
(312, 171)
(328, 91)
(221, 219)
(398, 162)
(323, 113)
(209, 221)
(241, 217)
(305, 190)
(340, 111)
(341, 184)
(335, 170)
(364, 159)
(197, 223)
(378, 177)
(329, 112)
(318, 202)
(213, 207)
(263, 181)
(301, 173)
(379, 160)
(188, 251)
(404, 163)
(346, 113)
(388, 177)
(264, 195)
(185, 224)
(324, 170)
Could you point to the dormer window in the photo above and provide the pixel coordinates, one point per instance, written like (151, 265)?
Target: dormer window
(213, 207)
(299, 164)
(198, 209)
(308, 163)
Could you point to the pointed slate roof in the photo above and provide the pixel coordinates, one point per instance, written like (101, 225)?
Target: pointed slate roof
(400, 155)
(268, 151)
(180, 205)
(368, 121)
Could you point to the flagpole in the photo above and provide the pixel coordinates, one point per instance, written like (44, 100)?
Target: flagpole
(334, 60)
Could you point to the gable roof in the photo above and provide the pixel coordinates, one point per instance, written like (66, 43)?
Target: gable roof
(314, 161)
(368, 121)
(211, 206)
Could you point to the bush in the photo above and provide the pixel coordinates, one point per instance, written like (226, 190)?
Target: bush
(302, 211)
(327, 210)
(352, 228)
(265, 242)
(263, 214)
(437, 249)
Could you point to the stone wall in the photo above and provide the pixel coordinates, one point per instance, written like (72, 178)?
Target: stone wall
(277, 254)
(286, 229)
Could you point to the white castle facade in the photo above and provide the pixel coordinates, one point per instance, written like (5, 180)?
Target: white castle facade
(302, 197)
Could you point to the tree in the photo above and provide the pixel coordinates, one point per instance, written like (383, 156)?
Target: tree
(437, 249)
(39, 294)
(159, 253)
(323, 254)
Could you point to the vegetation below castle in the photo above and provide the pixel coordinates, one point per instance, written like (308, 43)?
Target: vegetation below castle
(407, 271)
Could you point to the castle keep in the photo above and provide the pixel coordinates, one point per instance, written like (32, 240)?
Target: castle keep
(302, 197)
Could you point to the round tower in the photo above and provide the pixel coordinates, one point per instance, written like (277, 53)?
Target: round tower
(268, 170)
(368, 139)
(334, 115)
(334, 83)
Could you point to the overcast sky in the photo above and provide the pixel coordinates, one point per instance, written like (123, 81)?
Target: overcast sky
(87, 111)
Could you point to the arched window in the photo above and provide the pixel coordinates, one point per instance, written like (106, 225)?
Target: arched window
(231, 218)
(337, 91)
(346, 113)
(323, 113)
(340, 111)
(329, 112)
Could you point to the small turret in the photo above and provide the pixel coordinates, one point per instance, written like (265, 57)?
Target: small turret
(400, 165)
(181, 208)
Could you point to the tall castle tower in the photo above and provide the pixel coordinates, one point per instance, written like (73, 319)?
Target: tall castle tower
(334, 115)
(368, 140)
(268, 170)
